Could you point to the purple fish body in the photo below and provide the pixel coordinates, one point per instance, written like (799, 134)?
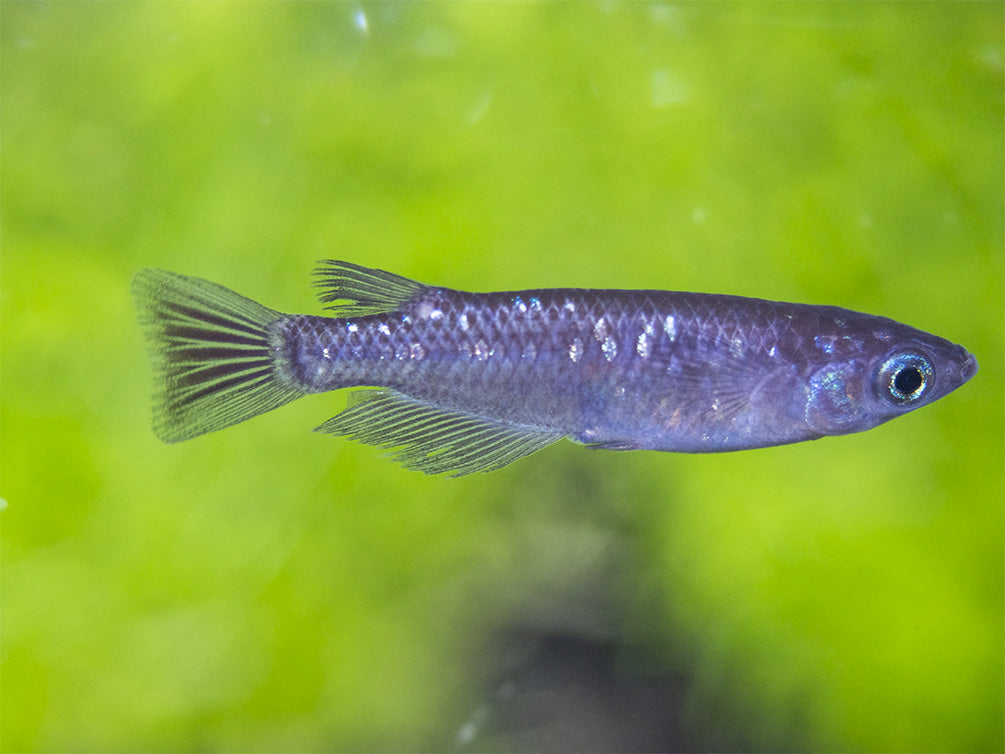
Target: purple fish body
(473, 381)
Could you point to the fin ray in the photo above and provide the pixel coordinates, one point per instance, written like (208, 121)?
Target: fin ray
(433, 440)
(615, 445)
(362, 289)
(210, 350)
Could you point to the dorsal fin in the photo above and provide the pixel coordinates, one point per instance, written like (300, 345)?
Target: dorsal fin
(362, 289)
(431, 439)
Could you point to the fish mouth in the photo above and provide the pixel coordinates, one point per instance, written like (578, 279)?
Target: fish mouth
(969, 366)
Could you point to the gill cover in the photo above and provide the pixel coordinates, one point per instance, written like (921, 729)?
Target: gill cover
(835, 402)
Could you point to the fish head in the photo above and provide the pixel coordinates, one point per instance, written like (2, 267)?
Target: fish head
(888, 372)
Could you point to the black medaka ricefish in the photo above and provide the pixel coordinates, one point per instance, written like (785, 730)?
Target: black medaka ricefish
(473, 381)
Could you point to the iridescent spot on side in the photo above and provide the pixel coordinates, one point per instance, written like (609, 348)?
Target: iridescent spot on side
(482, 350)
(600, 329)
(643, 346)
(609, 347)
(535, 304)
(463, 322)
(570, 306)
(426, 310)
(824, 343)
(736, 346)
(416, 351)
(351, 327)
(519, 305)
(670, 327)
(576, 349)
(384, 329)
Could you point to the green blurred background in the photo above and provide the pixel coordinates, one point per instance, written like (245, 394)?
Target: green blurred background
(266, 588)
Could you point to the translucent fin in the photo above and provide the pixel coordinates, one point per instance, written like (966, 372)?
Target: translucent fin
(615, 445)
(431, 440)
(725, 382)
(211, 355)
(365, 290)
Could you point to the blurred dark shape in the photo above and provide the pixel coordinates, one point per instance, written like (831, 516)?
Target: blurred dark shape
(562, 692)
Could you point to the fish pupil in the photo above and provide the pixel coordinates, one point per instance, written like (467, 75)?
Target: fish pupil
(908, 381)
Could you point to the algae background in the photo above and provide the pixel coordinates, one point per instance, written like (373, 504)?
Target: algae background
(266, 588)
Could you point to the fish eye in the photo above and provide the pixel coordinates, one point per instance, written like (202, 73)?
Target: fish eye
(905, 377)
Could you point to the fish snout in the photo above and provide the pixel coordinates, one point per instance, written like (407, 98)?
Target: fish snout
(969, 366)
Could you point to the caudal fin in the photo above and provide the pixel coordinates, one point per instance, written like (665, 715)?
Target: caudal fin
(211, 354)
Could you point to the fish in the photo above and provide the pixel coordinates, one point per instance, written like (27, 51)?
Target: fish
(459, 382)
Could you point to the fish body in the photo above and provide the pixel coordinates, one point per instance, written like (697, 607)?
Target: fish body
(472, 381)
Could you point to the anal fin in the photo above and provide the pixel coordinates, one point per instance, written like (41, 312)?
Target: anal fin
(432, 440)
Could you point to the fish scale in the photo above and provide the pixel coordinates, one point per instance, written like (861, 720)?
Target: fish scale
(465, 382)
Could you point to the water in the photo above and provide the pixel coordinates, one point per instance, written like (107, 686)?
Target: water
(272, 588)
